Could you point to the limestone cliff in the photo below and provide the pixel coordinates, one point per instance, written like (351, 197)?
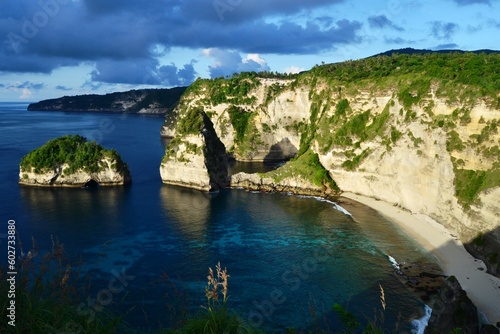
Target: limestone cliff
(72, 161)
(107, 176)
(419, 131)
(196, 160)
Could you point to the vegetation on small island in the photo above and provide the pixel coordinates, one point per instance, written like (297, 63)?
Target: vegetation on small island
(75, 151)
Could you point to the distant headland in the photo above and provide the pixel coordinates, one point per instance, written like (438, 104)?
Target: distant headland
(142, 101)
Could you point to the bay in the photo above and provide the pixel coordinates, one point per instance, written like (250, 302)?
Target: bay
(287, 256)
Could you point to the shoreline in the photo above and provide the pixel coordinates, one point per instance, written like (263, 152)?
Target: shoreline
(482, 288)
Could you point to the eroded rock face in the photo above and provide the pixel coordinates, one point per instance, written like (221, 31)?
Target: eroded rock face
(453, 310)
(408, 155)
(292, 185)
(197, 161)
(107, 176)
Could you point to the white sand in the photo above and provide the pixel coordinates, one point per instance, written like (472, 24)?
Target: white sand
(482, 288)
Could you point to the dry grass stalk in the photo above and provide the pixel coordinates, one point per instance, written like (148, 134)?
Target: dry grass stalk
(382, 297)
(214, 281)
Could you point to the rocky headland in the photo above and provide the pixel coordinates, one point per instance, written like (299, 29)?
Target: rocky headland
(143, 101)
(71, 161)
(417, 131)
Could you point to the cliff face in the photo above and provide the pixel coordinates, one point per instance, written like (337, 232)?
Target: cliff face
(197, 160)
(428, 143)
(144, 101)
(107, 176)
(250, 133)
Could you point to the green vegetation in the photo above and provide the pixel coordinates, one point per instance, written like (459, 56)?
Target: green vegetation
(48, 293)
(468, 183)
(235, 90)
(460, 76)
(413, 92)
(191, 122)
(239, 118)
(454, 143)
(350, 131)
(356, 161)
(75, 151)
(490, 128)
(306, 166)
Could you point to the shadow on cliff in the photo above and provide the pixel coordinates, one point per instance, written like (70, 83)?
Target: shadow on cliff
(486, 247)
(281, 151)
(451, 306)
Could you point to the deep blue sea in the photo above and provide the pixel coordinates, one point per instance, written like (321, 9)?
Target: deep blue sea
(286, 255)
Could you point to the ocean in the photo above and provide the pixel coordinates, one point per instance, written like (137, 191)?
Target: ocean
(290, 258)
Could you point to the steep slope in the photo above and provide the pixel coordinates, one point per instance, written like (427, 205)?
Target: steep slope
(419, 131)
(151, 101)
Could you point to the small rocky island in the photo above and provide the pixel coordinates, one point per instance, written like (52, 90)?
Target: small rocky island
(72, 161)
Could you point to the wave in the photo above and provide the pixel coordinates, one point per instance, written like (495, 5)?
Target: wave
(418, 325)
(335, 205)
(394, 263)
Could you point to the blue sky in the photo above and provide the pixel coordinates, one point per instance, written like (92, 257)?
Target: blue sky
(53, 48)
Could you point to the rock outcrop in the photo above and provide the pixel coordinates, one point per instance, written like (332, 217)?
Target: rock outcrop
(71, 161)
(453, 310)
(108, 176)
(196, 160)
(294, 185)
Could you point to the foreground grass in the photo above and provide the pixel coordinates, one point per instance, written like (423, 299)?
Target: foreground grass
(48, 300)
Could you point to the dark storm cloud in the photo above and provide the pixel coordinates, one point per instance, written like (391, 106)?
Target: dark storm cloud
(262, 37)
(442, 30)
(471, 2)
(381, 22)
(144, 71)
(40, 36)
(246, 10)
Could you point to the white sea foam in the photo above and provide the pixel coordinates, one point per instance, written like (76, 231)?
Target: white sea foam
(418, 325)
(335, 205)
(393, 261)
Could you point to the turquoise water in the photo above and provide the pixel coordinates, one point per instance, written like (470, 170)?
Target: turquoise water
(286, 255)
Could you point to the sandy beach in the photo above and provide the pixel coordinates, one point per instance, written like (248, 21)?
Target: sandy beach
(482, 288)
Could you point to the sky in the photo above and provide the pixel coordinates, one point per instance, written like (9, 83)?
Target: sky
(53, 48)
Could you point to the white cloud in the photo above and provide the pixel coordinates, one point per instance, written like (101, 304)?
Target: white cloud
(256, 58)
(294, 69)
(26, 94)
(228, 62)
